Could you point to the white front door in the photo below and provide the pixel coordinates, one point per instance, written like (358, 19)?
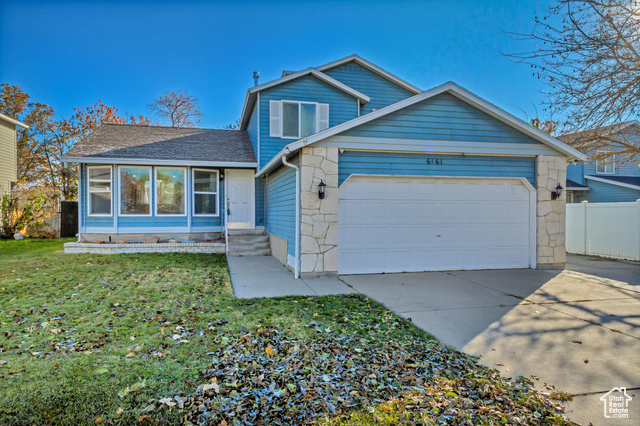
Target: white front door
(411, 224)
(240, 198)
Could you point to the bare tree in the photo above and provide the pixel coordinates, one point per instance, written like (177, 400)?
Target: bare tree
(588, 53)
(177, 109)
(231, 126)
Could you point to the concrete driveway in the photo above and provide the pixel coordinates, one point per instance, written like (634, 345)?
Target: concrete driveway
(577, 331)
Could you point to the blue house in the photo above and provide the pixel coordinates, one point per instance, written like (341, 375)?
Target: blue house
(614, 179)
(343, 168)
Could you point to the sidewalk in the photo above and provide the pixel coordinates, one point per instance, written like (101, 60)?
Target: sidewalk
(264, 276)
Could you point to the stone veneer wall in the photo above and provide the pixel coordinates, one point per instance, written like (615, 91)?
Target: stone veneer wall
(551, 214)
(319, 218)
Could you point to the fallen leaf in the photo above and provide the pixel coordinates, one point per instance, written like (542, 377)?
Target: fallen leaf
(148, 409)
(100, 370)
(98, 420)
(167, 401)
(269, 350)
(2, 362)
(120, 411)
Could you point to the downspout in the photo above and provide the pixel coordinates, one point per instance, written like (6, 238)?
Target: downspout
(80, 220)
(297, 233)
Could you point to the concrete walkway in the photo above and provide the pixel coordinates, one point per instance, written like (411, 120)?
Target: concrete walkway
(264, 276)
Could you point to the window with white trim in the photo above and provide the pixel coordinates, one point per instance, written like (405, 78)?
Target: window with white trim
(99, 178)
(205, 192)
(606, 166)
(135, 191)
(296, 119)
(170, 194)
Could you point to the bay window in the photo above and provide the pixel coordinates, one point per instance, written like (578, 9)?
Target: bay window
(135, 190)
(99, 190)
(205, 192)
(170, 195)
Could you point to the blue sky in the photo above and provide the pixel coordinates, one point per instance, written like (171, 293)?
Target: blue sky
(126, 53)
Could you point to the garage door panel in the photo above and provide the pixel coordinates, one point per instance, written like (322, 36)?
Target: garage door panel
(390, 224)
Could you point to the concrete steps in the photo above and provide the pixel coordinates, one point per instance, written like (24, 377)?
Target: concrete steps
(248, 242)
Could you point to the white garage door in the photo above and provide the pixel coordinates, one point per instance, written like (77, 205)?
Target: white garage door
(405, 224)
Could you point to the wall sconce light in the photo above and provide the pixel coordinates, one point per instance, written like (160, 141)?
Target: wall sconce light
(558, 192)
(221, 176)
(321, 186)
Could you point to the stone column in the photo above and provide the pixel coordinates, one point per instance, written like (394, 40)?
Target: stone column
(551, 214)
(319, 222)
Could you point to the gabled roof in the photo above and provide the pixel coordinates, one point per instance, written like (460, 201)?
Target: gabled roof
(631, 182)
(13, 121)
(454, 90)
(373, 67)
(252, 93)
(603, 130)
(134, 144)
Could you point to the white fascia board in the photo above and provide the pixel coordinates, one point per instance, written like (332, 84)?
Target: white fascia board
(373, 67)
(613, 182)
(515, 122)
(13, 121)
(449, 87)
(575, 188)
(151, 162)
(309, 71)
(244, 117)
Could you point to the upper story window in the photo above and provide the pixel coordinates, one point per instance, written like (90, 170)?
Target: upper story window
(295, 119)
(99, 190)
(606, 166)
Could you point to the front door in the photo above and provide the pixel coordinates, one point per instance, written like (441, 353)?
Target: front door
(240, 199)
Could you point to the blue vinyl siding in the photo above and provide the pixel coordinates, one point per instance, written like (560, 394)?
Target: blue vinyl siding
(253, 130)
(601, 192)
(381, 90)
(171, 223)
(342, 107)
(380, 163)
(259, 201)
(280, 203)
(575, 172)
(442, 117)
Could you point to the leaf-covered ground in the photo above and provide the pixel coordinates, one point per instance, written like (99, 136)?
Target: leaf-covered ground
(160, 339)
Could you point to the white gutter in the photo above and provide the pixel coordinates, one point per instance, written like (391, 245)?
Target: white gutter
(297, 233)
(155, 162)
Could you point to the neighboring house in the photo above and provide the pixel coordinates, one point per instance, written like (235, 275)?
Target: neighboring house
(608, 180)
(8, 153)
(348, 169)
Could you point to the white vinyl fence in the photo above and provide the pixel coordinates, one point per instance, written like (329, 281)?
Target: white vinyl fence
(604, 229)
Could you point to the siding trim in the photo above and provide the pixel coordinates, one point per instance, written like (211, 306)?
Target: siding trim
(357, 143)
(611, 182)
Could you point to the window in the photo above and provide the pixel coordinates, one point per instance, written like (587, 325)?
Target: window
(205, 192)
(606, 166)
(170, 197)
(293, 119)
(99, 190)
(135, 190)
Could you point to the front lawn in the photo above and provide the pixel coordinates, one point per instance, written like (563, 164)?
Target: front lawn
(124, 339)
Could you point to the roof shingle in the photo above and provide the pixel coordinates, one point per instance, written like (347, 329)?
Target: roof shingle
(165, 143)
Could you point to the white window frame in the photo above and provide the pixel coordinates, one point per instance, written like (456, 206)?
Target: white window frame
(299, 118)
(185, 195)
(151, 177)
(89, 191)
(612, 162)
(194, 192)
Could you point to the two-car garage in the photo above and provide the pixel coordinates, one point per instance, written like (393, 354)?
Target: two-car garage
(416, 223)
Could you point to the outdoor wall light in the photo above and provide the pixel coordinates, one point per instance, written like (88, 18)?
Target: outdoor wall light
(558, 192)
(221, 176)
(321, 186)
